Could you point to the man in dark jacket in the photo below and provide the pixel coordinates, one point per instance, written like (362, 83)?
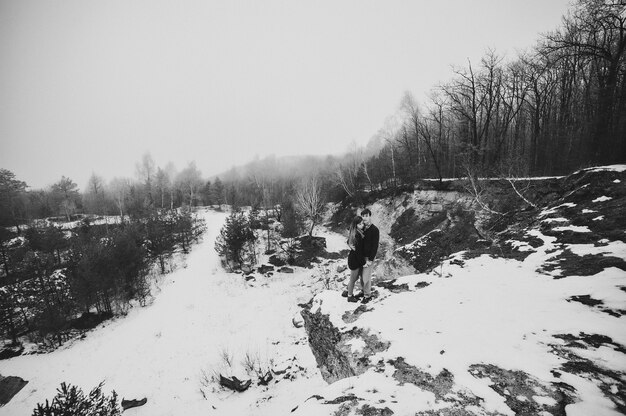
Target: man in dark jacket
(370, 248)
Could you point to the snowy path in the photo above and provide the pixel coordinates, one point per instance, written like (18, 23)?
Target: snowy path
(159, 351)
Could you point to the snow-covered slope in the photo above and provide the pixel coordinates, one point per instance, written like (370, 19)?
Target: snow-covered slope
(161, 351)
(540, 332)
(538, 328)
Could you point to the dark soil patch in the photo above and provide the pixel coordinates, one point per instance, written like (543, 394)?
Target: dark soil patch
(582, 189)
(331, 255)
(90, 320)
(10, 351)
(455, 234)
(587, 265)
(351, 316)
(597, 304)
(518, 389)
(341, 399)
(361, 360)
(408, 227)
(367, 410)
(585, 300)
(506, 248)
(406, 373)
(584, 341)
(569, 236)
(390, 286)
(611, 383)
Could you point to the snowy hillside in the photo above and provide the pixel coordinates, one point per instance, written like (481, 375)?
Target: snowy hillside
(162, 351)
(537, 330)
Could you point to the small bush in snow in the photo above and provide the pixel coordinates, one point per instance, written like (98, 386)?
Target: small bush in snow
(71, 401)
(236, 242)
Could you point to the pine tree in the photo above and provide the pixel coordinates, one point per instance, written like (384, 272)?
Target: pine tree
(236, 242)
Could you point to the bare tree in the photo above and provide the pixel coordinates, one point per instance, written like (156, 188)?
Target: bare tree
(163, 183)
(120, 188)
(309, 202)
(189, 181)
(94, 199)
(146, 172)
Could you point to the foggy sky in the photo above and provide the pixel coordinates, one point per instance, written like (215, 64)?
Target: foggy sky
(90, 86)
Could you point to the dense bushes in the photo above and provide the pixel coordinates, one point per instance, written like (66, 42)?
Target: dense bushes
(50, 276)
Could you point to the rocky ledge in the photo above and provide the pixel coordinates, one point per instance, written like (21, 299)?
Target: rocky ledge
(533, 331)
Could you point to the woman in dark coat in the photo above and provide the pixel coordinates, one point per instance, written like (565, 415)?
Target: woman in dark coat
(356, 258)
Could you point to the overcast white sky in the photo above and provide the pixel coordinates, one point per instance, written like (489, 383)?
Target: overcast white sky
(90, 86)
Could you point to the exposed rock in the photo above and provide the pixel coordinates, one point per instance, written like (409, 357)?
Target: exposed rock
(265, 379)
(390, 286)
(454, 234)
(367, 410)
(297, 320)
(129, 404)
(342, 399)
(234, 383)
(439, 385)
(265, 268)
(9, 387)
(90, 320)
(410, 225)
(584, 341)
(332, 350)
(351, 316)
(277, 261)
(342, 268)
(324, 340)
(519, 390)
(332, 255)
(285, 269)
(11, 351)
(571, 264)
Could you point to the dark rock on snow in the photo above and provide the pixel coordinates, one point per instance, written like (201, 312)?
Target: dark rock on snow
(9, 387)
(129, 404)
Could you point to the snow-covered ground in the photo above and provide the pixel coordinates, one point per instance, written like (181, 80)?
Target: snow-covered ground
(468, 313)
(488, 311)
(161, 351)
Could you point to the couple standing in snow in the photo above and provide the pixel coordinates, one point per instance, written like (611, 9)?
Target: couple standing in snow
(363, 242)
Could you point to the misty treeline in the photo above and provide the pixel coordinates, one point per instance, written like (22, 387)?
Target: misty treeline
(57, 275)
(555, 108)
(152, 188)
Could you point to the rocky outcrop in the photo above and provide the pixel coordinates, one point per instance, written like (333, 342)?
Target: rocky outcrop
(481, 334)
(332, 348)
(455, 233)
(9, 387)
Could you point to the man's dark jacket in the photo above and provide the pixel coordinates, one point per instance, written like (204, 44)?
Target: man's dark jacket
(370, 242)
